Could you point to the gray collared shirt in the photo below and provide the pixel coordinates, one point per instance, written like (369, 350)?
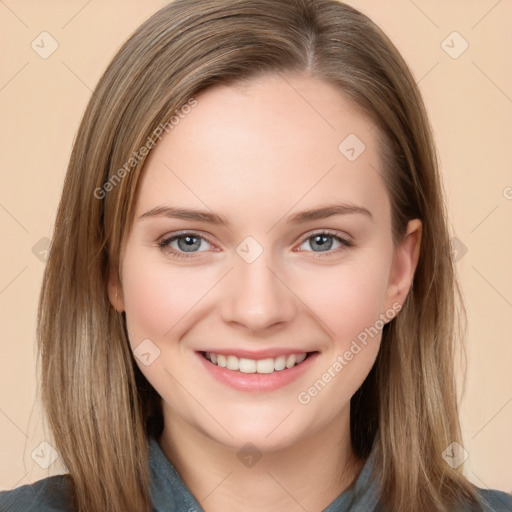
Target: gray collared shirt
(170, 494)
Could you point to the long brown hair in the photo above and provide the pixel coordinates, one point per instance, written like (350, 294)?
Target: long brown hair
(100, 407)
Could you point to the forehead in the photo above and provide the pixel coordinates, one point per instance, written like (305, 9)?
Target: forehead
(270, 144)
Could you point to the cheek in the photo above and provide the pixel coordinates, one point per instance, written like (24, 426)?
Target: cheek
(347, 298)
(157, 295)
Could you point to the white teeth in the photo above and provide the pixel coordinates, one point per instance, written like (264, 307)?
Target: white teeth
(280, 363)
(290, 361)
(300, 358)
(232, 363)
(245, 365)
(265, 365)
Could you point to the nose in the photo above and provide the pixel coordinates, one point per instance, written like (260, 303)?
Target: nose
(257, 297)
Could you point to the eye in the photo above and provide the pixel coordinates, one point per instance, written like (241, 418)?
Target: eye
(324, 241)
(186, 242)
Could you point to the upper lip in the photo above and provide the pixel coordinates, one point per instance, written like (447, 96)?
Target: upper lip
(257, 354)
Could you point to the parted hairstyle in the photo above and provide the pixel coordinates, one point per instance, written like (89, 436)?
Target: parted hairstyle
(100, 408)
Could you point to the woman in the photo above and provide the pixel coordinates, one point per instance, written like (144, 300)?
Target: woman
(196, 353)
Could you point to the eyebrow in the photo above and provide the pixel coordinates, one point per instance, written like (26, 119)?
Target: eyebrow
(324, 212)
(328, 211)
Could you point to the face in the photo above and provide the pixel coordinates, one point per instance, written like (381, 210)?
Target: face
(253, 279)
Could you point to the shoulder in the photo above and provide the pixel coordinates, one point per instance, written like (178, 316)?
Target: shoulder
(495, 501)
(52, 494)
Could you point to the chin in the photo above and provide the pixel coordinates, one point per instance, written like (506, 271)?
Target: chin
(266, 436)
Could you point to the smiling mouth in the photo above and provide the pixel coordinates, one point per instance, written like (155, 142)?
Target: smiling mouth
(262, 366)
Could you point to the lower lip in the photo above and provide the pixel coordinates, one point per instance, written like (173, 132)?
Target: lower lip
(257, 382)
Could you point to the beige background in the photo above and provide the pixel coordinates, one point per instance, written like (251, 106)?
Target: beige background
(469, 99)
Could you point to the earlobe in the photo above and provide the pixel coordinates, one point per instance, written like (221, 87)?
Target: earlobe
(404, 265)
(115, 291)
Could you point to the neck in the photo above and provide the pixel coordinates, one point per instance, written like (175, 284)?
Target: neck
(308, 475)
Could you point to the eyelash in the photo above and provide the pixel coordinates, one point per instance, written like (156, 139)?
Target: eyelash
(163, 244)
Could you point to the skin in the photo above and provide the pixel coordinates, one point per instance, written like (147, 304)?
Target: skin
(256, 154)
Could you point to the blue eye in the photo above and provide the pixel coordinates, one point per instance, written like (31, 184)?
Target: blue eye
(189, 243)
(324, 240)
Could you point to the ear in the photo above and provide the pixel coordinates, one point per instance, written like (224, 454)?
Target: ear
(115, 290)
(404, 264)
